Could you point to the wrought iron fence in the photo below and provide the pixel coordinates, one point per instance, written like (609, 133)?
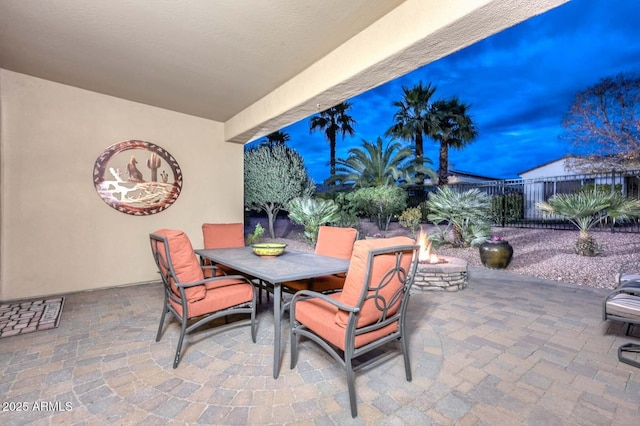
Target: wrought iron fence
(513, 201)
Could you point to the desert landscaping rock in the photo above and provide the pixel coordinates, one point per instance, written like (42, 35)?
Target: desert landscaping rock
(540, 253)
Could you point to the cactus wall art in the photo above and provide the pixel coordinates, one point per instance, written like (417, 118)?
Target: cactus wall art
(122, 181)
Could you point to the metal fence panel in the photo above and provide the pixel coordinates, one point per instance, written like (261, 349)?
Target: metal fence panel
(513, 201)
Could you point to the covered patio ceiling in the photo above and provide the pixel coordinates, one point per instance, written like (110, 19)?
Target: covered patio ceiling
(254, 65)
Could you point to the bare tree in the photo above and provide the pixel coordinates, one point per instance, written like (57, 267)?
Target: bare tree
(603, 123)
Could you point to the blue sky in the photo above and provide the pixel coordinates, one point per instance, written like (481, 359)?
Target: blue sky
(519, 82)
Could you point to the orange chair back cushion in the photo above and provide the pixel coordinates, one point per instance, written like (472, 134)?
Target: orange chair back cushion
(223, 235)
(185, 263)
(336, 242)
(355, 281)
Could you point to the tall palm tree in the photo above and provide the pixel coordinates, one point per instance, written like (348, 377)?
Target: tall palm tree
(374, 165)
(276, 138)
(412, 120)
(333, 121)
(452, 127)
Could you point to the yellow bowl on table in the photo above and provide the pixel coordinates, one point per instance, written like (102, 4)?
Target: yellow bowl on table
(268, 249)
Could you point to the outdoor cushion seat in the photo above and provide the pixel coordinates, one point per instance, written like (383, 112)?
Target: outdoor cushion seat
(193, 299)
(623, 304)
(367, 314)
(332, 241)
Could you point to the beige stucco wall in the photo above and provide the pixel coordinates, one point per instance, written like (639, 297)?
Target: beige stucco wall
(58, 236)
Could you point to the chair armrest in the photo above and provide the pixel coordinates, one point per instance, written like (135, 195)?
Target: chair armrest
(630, 284)
(631, 267)
(211, 268)
(213, 279)
(308, 294)
(206, 265)
(633, 290)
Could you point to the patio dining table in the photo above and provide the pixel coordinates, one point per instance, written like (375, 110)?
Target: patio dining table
(290, 266)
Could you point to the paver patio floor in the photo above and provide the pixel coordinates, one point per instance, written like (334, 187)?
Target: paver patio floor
(506, 350)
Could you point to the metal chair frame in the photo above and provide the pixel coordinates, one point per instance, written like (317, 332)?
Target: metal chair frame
(165, 264)
(632, 288)
(370, 291)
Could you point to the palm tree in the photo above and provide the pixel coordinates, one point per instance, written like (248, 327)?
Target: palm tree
(333, 121)
(276, 138)
(413, 117)
(376, 165)
(452, 128)
(587, 209)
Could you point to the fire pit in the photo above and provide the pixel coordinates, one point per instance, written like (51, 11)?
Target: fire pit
(438, 273)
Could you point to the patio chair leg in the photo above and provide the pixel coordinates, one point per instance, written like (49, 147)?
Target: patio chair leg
(254, 325)
(164, 313)
(629, 347)
(352, 388)
(183, 331)
(294, 349)
(405, 354)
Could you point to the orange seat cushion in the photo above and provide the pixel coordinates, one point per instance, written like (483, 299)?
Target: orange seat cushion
(355, 281)
(221, 294)
(320, 317)
(185, 263)
(336, 242)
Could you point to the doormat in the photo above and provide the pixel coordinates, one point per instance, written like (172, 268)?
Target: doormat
(25, 317)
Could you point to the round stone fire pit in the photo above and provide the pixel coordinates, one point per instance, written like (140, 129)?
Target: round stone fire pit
(450, 275)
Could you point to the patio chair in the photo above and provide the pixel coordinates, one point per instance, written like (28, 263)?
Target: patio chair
(226, 235)
(367, 314)
(193, 299)
(333, 242)
(222, 235)
(629, 271)
(623, 304)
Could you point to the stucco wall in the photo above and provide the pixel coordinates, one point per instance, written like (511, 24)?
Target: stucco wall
(57, 234)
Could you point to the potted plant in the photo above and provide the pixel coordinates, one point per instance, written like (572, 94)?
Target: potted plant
(496, 252)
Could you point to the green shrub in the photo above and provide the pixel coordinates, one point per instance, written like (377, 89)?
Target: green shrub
(513, 208)
(466, 214)
(380, 203)
(257, 233)
(587, 209)
(312, 213)
(411, 218)
(424, 210)
(603, 188)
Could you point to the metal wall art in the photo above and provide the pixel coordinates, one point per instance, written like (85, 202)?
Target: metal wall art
(137, 178)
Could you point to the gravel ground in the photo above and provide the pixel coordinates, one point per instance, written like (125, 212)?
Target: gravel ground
(546, 254)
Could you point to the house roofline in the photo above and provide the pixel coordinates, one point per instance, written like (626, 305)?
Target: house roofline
(564, 157)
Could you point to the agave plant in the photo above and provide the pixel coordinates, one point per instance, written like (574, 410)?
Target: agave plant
(312, 213)
(465, 213)
(585, 210)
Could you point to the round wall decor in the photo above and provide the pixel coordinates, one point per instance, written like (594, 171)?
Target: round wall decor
(137, 177)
